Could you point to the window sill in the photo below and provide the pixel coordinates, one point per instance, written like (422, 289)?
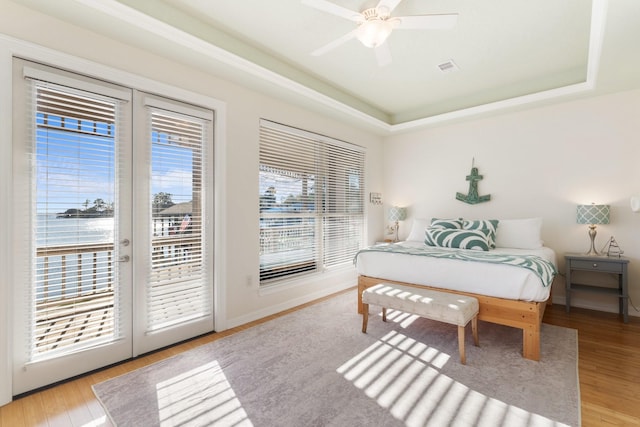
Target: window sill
(306, 280)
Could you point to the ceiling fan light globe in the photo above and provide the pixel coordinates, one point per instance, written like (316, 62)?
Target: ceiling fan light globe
(374, 32)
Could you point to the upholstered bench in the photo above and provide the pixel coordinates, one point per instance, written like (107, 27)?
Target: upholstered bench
(435, 305)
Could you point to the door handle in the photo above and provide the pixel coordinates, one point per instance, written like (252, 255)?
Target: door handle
(125, 242)
(124, 258)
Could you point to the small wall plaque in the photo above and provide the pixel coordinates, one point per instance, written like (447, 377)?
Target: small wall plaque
(375, 198)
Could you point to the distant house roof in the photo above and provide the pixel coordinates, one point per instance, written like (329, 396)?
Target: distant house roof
(177, 209)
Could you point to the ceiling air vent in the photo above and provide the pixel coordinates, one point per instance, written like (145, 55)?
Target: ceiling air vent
(448, 66)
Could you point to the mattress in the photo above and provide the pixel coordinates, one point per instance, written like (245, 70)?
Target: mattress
(496, 280)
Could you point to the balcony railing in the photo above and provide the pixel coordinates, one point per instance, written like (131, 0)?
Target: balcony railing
(72, 271)
(75, 292)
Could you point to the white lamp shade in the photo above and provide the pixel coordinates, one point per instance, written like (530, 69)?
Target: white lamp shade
(397, 213)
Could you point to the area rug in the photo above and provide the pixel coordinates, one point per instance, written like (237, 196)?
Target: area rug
(314, 367)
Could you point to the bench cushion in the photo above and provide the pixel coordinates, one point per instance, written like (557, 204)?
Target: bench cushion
(435, 305)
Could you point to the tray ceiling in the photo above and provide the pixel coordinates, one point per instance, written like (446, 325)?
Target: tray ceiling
(507, 52)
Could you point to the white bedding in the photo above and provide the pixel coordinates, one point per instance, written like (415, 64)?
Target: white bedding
(496, 280)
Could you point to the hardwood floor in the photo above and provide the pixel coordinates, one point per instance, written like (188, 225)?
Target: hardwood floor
(609, 369)
(608, 365)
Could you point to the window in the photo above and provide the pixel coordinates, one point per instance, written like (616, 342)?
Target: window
(311, 201)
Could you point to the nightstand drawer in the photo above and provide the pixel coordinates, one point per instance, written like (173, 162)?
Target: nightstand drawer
(597, 265)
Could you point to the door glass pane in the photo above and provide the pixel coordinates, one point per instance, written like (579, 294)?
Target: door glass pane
(177, 285)
(74, 286)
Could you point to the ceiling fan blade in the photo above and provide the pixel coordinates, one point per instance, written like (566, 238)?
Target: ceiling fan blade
(332, 45)
(429, 22)
(383, 54)
(388, 5)
(334, 9)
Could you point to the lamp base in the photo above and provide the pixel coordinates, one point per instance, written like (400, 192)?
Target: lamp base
(592, 252)
(592, 235)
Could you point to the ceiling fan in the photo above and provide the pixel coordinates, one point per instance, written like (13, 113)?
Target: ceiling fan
(376, 24)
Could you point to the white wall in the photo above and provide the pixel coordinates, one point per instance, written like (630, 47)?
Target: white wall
(237, 241)
(541, 162)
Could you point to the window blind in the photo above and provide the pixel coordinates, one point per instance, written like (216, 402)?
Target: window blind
(311, 201)
(178, 282)
(74, 300)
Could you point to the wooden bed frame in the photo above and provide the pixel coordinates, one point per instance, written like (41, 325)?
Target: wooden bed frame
(523, 315)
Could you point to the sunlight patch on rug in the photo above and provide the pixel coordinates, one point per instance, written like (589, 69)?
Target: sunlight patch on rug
(403, 376)
(200, 395)
(100, 421)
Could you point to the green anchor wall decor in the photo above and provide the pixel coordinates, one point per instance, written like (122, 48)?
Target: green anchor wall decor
(473, 198)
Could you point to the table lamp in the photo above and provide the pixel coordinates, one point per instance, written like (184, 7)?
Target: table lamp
(592, 214)
(397, 214)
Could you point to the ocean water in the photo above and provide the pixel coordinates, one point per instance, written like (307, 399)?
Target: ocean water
(54, 231)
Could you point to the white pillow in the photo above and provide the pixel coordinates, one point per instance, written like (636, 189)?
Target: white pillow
(417, 230)
(519, 233)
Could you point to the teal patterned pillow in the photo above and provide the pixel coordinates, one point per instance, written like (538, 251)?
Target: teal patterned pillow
(453, 223)
(476, 240)
(483, 224)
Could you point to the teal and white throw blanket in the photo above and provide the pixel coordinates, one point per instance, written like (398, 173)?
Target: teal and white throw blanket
(545, 270)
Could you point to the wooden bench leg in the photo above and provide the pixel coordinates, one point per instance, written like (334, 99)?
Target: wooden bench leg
(365, 317)
(463, 357)
(474, 328)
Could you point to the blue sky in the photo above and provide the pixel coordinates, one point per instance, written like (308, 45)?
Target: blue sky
(77, 166)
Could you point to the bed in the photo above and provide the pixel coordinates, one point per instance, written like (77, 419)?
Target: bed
(511, 277)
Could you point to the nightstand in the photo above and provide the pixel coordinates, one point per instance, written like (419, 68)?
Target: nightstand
(599, 264)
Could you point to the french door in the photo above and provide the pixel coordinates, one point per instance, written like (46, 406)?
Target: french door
(110, 211)
(173, 272)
